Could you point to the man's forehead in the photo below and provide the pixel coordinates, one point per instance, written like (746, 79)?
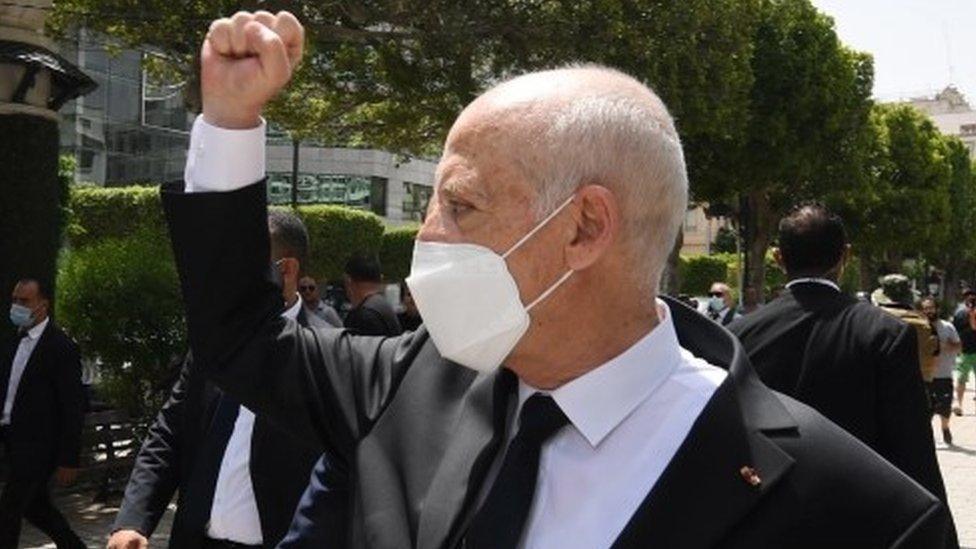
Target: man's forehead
(25, 289)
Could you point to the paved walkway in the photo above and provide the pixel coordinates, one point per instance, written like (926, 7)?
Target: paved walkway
(958, 463)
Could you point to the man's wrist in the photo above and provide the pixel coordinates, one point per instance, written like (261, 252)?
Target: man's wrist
(238, 119)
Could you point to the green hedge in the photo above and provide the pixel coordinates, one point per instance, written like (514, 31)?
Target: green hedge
(397, 252)
(99, 213)
(336, 233)
(120, 299)
(697, 273)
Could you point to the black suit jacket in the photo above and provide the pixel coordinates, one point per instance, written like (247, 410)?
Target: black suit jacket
(852, 362)
(374, 316)
(280, 463)
(48, 412)
(420, 432)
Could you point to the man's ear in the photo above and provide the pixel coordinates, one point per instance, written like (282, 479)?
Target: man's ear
(597, 217)
(290, 269)
(778, 257)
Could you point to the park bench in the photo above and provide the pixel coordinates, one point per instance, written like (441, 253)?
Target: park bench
(109, 444)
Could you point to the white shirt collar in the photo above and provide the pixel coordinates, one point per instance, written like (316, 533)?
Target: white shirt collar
(292, 312)
(813, 280)
(601, 399)
(37, 330)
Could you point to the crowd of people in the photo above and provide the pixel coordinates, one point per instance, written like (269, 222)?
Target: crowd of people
(534, 390)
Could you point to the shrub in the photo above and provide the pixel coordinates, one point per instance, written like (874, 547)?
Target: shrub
(120, 299)
(335, 234)
(697, 273)
(99, 213)
(396, 254)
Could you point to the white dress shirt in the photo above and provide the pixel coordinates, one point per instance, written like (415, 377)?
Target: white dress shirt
(234, 512)
(24, 351)
(628, 417)
(627, 420)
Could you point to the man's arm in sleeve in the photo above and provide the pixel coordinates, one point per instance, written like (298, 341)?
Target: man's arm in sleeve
(322, 384)
(320, 518)
(71, 396)
(905, 434)
(156, 473)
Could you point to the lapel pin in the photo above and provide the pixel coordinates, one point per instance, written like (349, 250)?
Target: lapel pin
(750, 475)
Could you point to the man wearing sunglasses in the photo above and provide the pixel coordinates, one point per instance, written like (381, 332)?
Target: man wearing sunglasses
(309, 290)
(721, 306)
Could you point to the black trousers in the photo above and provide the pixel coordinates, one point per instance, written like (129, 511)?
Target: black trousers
(26, 496)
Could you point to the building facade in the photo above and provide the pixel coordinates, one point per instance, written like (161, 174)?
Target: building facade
(951, 113)
(132, 130)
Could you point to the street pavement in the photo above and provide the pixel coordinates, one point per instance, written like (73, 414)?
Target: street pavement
(958, 462)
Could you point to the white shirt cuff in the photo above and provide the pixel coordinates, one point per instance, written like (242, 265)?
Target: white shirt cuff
(221, 160)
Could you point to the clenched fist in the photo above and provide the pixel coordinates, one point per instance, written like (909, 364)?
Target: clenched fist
(246, 59)
(127, 539)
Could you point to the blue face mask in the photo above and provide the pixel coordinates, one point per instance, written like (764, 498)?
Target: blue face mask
(21, 316)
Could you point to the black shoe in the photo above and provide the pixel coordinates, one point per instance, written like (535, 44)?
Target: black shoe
(947, 436)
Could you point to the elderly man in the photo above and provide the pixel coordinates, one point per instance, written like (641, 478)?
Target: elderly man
(721, 305)
(534, 408)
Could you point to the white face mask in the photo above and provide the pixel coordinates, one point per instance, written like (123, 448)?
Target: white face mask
(469, 300)
(716, 304)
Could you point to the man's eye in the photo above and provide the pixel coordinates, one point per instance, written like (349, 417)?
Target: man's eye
(458, 208)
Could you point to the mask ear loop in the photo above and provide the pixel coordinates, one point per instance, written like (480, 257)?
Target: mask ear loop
(539, 226)
(551, 289)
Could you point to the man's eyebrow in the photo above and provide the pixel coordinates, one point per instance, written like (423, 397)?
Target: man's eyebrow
(462, 188)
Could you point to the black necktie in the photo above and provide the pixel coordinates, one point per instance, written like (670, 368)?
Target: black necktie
(203, 481)
(499, 522)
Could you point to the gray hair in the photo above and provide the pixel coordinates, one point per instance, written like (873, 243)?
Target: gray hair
(620, 136)
(289, 238)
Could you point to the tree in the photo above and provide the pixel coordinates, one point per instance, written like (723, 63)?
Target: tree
(807, 107)
(907, 192)
(395, 74)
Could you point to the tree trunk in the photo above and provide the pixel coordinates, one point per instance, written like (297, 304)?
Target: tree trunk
(868, 277)
(671, 279)
(757, 234)
(32, 208)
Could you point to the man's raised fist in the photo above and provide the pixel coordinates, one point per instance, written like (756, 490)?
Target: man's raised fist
(246, 60)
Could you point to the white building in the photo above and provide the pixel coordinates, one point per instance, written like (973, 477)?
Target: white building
(951, 113)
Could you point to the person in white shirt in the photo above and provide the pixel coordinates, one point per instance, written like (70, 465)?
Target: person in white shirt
(239, 477)
(940, 388)
(41, 417)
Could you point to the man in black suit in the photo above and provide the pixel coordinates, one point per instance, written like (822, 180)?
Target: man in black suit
(849, 360)
(239, 476)
(41, 418)
(650, 426)
(371, 313)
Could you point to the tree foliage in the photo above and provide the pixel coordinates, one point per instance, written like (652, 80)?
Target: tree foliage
(807, 107)
(396, 74)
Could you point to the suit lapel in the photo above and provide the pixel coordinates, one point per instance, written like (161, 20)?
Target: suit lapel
(715, 471)
(710, 476)
(466, 461)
